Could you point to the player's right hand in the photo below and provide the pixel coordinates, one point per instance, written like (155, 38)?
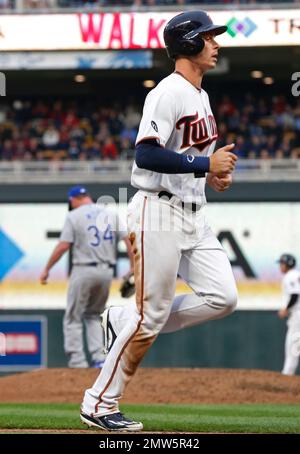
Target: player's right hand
(44, 277)
(223, 161)
(283, 313)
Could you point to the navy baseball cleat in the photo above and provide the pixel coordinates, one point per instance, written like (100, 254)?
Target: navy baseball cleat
(113, 422)
(109, 333)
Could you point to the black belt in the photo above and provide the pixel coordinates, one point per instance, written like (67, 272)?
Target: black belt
(191, 206)
(95, 264)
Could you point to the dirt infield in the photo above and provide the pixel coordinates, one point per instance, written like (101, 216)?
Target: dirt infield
(207, 386)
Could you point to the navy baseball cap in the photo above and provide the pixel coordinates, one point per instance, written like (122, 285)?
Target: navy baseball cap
(76, 191)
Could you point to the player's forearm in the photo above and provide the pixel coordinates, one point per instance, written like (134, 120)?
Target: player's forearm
(58, 252)
(129, 252)
(151, 156)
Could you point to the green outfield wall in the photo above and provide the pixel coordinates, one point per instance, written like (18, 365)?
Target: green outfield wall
(239, 192)
(246, 339)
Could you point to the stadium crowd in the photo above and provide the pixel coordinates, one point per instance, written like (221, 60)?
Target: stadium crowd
(48, 4)
(80, 130)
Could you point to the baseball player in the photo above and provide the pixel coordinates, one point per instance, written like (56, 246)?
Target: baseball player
(93, 232)
(291, 296)
(166, 223)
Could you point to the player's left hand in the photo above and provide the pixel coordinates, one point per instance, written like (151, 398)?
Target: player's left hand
(44, 277)
(219, 183)
(127, 288)
(283, 313)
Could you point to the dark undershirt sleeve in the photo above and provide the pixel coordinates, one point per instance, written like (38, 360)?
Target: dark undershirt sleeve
(293, 300)
(151, 156)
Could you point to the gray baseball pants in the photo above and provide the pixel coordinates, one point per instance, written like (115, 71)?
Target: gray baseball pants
(87, 294)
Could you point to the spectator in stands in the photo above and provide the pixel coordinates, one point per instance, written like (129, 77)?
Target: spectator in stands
(73, 150)
(297, 117)
(103, 133)
(271, 145)
(50, 138)
(5, 4)
(264, 154)
(109, 150)
(94, 151)
(279, 154)
(7, 151)
(39, 4)
(115, 124)
(132, 117)
(128, 134)
(20, 151)
(33, 147)
(241, 147)
(136, 4)
(261, 127)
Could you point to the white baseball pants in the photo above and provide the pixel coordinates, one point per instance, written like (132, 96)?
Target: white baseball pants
(167, 240)
(292, 344)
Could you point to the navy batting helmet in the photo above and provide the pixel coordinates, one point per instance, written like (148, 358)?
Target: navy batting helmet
(288, 259)
(182, 34)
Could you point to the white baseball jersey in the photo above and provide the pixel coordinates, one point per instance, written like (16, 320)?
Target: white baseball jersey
(290, 286)
(179, 117)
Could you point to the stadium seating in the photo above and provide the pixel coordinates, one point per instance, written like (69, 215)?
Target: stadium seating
(86, 130)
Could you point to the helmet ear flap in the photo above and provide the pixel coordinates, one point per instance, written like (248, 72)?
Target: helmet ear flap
(198, 44)
(190, 46)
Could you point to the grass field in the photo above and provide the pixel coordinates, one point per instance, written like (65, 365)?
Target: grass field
(163, 418)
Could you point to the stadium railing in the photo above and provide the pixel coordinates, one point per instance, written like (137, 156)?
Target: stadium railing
(120, 171)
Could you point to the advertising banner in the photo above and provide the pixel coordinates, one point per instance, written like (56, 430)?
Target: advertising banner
(254, 235)
(136, 31)
(23, 343)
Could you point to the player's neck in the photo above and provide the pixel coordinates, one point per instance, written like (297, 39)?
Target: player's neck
(86, 201)
(190, 72)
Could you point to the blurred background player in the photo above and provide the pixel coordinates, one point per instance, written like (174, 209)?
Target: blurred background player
(291, 292)
(93, 232)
